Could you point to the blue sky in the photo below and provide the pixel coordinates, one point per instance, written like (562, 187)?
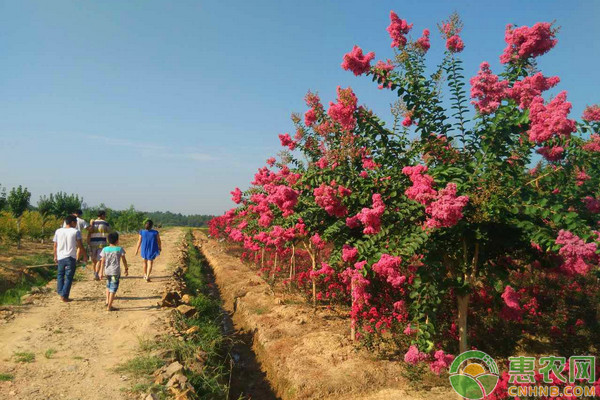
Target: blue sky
(169, 105)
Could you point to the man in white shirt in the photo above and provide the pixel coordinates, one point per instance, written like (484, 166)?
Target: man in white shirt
(66, 243)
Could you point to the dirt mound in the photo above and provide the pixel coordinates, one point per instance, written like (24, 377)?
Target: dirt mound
(305, 355)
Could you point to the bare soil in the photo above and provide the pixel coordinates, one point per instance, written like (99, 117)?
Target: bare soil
(89, 341)
(305, 354)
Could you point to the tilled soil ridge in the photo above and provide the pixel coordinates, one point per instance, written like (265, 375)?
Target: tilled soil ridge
(305, 355)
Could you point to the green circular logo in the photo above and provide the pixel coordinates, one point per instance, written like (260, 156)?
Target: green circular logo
(474, 375)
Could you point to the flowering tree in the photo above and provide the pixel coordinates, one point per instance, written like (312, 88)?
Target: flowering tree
(447, 204)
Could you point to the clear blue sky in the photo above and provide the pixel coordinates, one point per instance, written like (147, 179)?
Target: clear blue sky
(169, 105)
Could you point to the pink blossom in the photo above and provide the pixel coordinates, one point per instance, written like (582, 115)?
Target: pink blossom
(423, 42)
(551, 119)
(447, 208)
(414, 356)
(327, 198)
(352, 222)
(397, 29)
(286, 141)
(524, 91)
(363, 174)
(283, 197)
(422, 184)
(409, 330)
(388, 267)
(551, 153)
(236, 196)
(271, 161)
(576, 253)
(310, 117)
(442, 361)
(594, 144)
(236, 235)
(592, 204)
(369, 164)
(591, 113)
(455, 44)
(342, 112)
(407, 121)
(317, 241)
(489, 91)
(322, 163)
(349, 253)
(525, 42)
(581, 177)
(356, 62)
(371, 217)
(384, 67)
(312, 100)
(511, 298)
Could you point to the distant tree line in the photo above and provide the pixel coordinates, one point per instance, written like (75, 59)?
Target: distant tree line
(19, 218)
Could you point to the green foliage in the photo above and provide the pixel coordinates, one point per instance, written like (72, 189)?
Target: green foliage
(63, 204)
(140, 366)
(49, 353)
(18, 201)
(24, 357)
(6, 377)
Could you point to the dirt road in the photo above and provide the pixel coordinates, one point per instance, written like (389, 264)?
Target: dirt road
(88, 340)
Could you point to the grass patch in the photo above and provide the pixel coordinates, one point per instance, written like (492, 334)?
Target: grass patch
(24, 357)
(49, 353)
(33, 277)
(77, 358)
(140, 366)
(6, 377)
(147, 345)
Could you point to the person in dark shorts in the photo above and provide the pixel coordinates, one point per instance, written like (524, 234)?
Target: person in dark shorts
(97, 234)
(110, 259)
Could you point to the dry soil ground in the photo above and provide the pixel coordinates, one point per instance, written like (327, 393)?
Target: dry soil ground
(88, 340)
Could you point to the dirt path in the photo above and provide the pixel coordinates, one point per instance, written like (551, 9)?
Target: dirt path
(89, 341)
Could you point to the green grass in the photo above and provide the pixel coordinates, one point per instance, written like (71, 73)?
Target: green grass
(140, 366)
(6, 377)
(77, 358)
(24, 357)
(35, 277)
(49, 353)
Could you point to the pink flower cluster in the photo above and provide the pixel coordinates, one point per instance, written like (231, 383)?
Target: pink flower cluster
(451, 29)
(414, 356)
(487, 89)
(576, 253)
(591, 113)
(592, 204)
(455, 44)
(441, 362)
(236, 196)
(511, 298)
(287, 141)
(444, 207)
(525, 42)
(349, 253)
(369, 217)
(550, 119)
(343, 111)
(283, 197)
(551, 153)
(446, 210)
(594, 144)
(388, 267)
(423, 42)
(397, 29)
(524, 91)
(356, 62)
(422, 184)
(329, 198)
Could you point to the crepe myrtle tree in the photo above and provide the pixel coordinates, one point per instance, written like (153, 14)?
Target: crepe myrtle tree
(400, 219)
(480, 199)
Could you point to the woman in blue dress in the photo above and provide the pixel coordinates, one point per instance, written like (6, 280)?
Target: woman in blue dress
(149, 242)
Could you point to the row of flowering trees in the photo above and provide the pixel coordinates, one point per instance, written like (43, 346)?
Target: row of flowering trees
(450, 229)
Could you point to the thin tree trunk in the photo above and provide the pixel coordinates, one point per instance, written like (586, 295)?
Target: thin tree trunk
(19, 233)
(292, 262)
(262, 258)
(463, 309)
(352, 321)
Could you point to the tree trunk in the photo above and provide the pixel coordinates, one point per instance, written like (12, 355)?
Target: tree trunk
(292, 263)
(19, 233)
(352, 321)
(262, 258)
(463, 308)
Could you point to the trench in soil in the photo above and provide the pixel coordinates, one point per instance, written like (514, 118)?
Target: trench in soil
(248, 381)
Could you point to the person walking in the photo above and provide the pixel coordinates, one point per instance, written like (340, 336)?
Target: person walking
(149, 242)
(97, 234)
(67, 243)
(81, 225)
